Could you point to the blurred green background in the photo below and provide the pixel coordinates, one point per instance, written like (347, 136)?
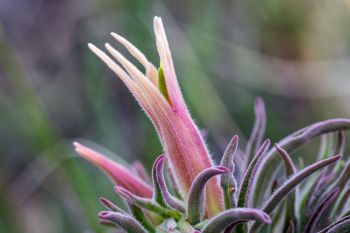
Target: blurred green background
(293, 53)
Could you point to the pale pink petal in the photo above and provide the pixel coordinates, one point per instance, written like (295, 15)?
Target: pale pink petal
(118, 173)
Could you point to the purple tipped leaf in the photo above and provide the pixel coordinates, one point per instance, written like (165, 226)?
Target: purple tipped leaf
(291, 143)
(258, 131)
(196, 195)
(171, 201)
(323, 180)
(288, 163)
(290, 171)
(282, 192)
(248, 178)
(228, 181)
(147, 204)
(111, 206)
(157, 193)
(316, 216)
(311, 193)
(129, 224)
(223, 220)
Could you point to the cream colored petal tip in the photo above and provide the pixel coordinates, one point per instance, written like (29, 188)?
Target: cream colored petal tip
(92, 47)
(76, 145)
(108, 46)
(118, 37)
(98, 52)
(157, 23)
(79, 147)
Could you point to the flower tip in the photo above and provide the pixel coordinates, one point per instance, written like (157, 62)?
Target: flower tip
(155, 18)
(92, 46)
(108, 46)
(116, 36)
(79, 148)
(76, 144)
(157, 22)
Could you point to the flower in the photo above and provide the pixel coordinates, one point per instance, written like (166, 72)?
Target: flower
(160, 208)
(159, 94)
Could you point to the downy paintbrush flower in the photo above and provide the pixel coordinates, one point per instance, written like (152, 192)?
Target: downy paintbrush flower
(159, 94)
(195, 200)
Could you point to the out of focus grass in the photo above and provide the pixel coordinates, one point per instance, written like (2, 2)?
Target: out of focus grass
(54, 91)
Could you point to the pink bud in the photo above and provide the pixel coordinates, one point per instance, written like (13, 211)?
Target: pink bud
(118, 173)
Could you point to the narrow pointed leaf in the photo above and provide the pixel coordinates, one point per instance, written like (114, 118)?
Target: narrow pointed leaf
(282, 192)
(111, 206)
(309, 195)
(291, 143)
(157, 193)
(228, 181)
(169, 200)
(248, 178)
(288, 163)
(228, 217)
(129, 224)
(196, 195)
(290, 171)
(315, 217)
(258, 131)
(147, 204)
